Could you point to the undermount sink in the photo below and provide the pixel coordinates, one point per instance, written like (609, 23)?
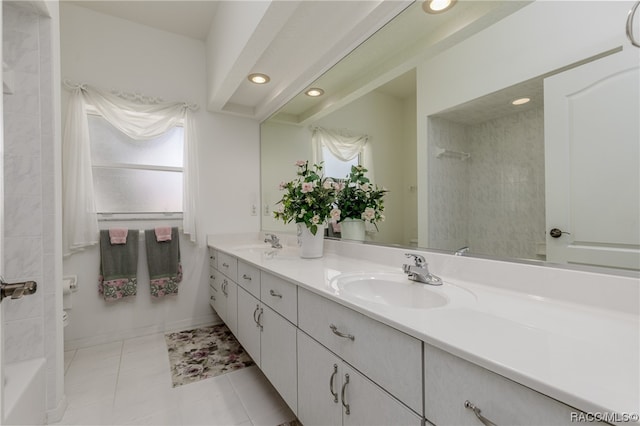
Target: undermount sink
(390, 289)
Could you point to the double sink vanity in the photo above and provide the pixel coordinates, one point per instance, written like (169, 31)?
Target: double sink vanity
(349, 339)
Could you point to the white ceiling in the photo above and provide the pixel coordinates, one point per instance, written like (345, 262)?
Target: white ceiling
(188, 18)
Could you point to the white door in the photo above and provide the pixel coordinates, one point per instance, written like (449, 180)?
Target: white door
(592, 139)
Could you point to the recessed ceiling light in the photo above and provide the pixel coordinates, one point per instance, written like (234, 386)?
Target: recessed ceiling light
(520, 101)
(437, 6)
(314, 92)
(258, 78)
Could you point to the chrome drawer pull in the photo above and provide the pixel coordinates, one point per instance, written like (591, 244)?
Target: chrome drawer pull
(333, 376)
(246, 277)
(485, 421)
(347, 409)
(212, 298)
(226, 265)
(335, 331)
(225, 283)
(274, 294)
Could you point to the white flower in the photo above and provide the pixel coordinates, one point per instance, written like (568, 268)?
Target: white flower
(315, 219)
(335, 214)
(369, 214)
(327, 184)
(365, 187)
(300, 163)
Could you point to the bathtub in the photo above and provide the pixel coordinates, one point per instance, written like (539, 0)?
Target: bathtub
(24, 393)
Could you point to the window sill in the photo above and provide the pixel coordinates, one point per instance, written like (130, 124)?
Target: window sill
(113, 217)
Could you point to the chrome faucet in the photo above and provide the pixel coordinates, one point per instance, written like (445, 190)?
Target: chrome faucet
(419, 271)
(461, 251)
(274, 240)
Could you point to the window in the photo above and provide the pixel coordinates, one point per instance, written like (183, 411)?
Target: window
(336, 168)
(136, 176)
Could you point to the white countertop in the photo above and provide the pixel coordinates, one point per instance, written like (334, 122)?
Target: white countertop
(582, 355)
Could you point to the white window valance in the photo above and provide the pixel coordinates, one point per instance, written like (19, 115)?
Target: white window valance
(138, 118)
(343, 145)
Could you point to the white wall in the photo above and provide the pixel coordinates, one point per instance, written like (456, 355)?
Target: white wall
(531, 42)
(113, 53)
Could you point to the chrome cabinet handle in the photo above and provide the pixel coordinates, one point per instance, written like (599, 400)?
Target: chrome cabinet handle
(477, 411)
(246, 277)
(260, 317)
(212, 298)
(333, 376)
(254, 315)
(275, 294)
(225, 283)
(629, 26)
(335, 331)
(347, 408)
(226, 265)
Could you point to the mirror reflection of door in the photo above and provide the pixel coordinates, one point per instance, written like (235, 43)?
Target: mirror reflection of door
(592, 139)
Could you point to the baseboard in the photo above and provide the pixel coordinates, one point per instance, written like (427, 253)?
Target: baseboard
(55, 415)
(141, 331)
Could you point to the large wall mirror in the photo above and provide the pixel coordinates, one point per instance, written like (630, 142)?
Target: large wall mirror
(553, 180)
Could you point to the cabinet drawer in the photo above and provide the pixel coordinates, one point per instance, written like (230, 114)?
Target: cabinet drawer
(450, 381)
(387, 356)
(212, 297)
(249, 278)
(280, 295)
(228, 265)
(215, 279)
(213, 258)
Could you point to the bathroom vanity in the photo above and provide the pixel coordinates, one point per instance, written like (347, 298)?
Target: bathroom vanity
(348, 339)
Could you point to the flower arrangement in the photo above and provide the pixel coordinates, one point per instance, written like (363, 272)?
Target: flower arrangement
(309, 198)
(357, 198)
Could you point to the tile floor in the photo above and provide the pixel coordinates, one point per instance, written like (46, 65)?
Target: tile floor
(129, 383)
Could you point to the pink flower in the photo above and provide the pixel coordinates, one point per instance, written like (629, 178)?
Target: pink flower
(365, 187)
(282, 185)
(300, 163)
(327, 184)
(307, 187)
(338, 186)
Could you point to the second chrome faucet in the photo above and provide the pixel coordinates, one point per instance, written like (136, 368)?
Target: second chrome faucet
(419, 271)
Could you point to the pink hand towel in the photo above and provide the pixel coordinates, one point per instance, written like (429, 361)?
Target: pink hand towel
(163, 233)
(118, 235)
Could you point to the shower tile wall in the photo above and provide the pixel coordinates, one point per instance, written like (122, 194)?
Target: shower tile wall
(448, 190)
(494, 202)
(30, 323)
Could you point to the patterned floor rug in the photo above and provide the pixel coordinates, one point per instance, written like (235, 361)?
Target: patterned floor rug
(204, 352)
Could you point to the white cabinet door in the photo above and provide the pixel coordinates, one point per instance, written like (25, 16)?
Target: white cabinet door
(232, 307)
(278, 359)
(369, 405)
(319, 373)
(592, 162)
(248, 330)
(330, 392)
